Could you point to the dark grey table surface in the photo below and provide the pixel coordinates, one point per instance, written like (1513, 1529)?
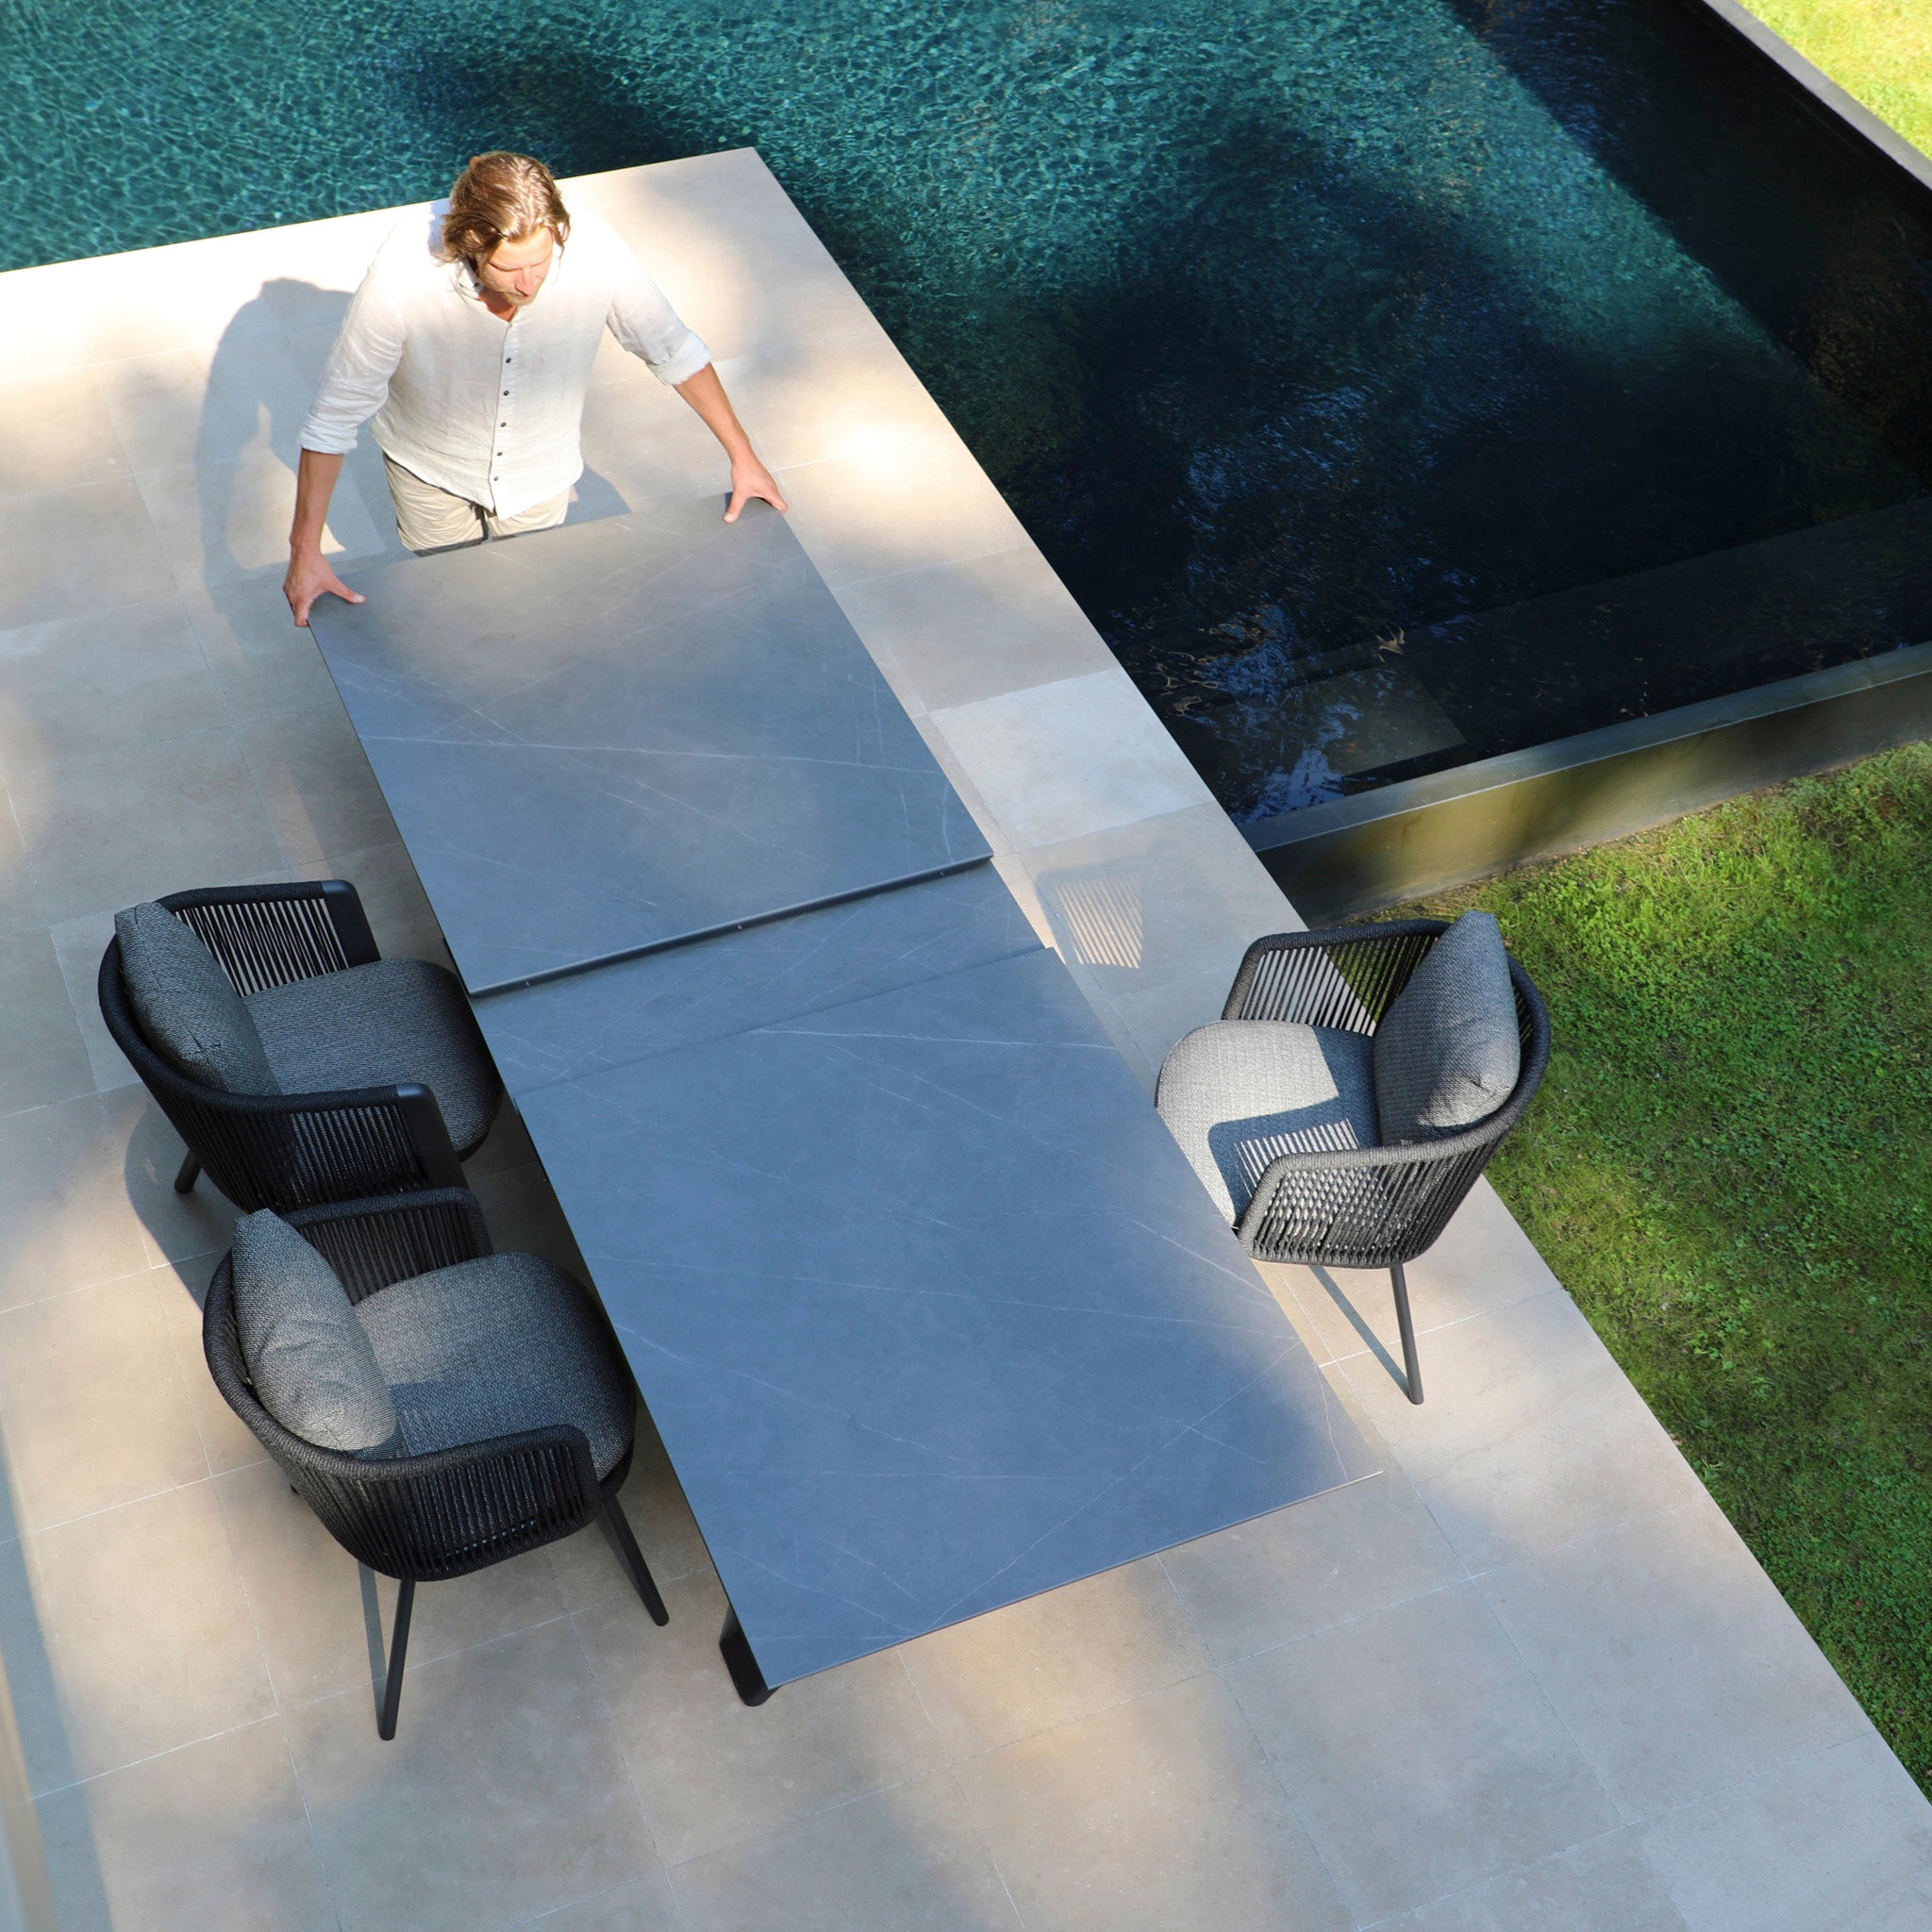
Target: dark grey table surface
(929, 1309)
(629, 732)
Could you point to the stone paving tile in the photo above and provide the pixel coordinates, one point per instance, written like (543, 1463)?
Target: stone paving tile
(78, 944)
(503, 1794)
(1671, 1613)
(1054, 1658)
(65, 1218)
(106, 681)
(43, 1057)
(92, 547)
(643, 1905)
(909, 504)
(1327, 1560)
(1162, 898)
(908, 1859)
(1840, 1839)
(211, 1835)
(711, 1770)
(1419, 1751)
(106, 830)
(20, 907)
(1067, 759)
(1153, 1815)
(92, 1406)
(1531, 1435)
(976, 628)
(180, 1287)
(1602, 1885)
(55, 432)
(220, 522)
(182, 406)
(126, 1634)
(314, 782)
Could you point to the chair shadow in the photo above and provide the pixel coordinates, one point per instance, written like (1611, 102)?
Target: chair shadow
(1368, 1337)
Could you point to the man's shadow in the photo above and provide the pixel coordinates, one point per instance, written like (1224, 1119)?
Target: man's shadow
(261, 381)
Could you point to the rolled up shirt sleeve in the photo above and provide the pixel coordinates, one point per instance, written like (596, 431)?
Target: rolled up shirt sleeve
(644, 322)
(355, 377)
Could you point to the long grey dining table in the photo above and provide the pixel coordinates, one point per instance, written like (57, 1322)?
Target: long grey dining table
(928, 1309)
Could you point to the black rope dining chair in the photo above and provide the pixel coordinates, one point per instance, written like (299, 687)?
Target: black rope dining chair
(386, 1082)
(515, 1412)
(1354, 1202)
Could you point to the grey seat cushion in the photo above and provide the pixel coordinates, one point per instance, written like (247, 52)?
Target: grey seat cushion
(382, 1024)
(307, 1355)
(496, 1346)
(187, 1003)
(1240, 1093)
(1448, 1051)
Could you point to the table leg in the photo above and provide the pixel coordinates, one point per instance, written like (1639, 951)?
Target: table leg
(746, 1678)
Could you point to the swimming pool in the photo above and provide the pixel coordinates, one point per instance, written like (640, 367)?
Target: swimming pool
(1394, 382)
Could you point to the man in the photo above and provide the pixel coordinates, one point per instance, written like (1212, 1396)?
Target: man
(477, 385)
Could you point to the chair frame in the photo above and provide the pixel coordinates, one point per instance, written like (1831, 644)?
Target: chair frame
(285, 1150)
(1369, 1206)
(423, 1518)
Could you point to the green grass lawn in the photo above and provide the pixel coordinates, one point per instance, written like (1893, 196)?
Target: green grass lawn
(1730, 1168)
(1878, 50)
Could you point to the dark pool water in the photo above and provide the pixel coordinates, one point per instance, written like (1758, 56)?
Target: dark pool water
(1395, 382)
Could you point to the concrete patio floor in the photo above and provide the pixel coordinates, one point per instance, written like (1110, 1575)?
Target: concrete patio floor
(1528, 1678)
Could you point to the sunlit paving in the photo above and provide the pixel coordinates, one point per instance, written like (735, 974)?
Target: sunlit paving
(688, 1237)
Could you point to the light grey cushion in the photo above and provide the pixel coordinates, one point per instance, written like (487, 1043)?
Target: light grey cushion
(1240, 1093)
(1448, 1051)
(307, 1355)
(380, 1026)
(496, 1346)
(187, 1003)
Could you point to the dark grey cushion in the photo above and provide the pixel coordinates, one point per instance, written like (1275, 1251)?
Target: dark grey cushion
(187, 1003)
(1242, 1092)
(496, 1346)
(382, 1024)
(307, 1355)
(1447, 1052)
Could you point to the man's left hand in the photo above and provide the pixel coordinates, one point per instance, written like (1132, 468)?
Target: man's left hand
(749, 479)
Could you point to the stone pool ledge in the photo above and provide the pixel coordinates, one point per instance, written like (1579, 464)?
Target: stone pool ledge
(1529, 1677)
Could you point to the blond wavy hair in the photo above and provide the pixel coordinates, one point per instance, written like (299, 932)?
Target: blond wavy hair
(500, 197)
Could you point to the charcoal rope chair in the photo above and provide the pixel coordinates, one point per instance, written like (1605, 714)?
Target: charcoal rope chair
(1299, 1114)
(308, 1068)
(473, 1404)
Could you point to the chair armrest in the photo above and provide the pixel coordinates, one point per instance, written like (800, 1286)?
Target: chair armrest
(1345, 976)
(269, 935)
(391, 1238)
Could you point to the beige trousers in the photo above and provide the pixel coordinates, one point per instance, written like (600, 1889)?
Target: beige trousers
(431, 519)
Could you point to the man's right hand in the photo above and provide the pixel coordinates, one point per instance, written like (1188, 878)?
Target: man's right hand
(309, 579)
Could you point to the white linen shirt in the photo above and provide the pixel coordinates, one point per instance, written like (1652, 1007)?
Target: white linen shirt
(491, 411)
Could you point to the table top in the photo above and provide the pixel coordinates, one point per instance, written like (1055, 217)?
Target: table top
(926, 1304)
(624, 734)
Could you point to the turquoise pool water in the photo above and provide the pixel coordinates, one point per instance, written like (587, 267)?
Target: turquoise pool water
(1394, 381)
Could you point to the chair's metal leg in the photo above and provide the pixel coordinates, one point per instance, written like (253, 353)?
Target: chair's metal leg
(746, 1678)
(190, 1172)
(634, 1562)
(1409, 1365)
(398, 1647)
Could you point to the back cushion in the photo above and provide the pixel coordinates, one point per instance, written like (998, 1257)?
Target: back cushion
(1447, 1053)
(188, 1006)
(307, 1354)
